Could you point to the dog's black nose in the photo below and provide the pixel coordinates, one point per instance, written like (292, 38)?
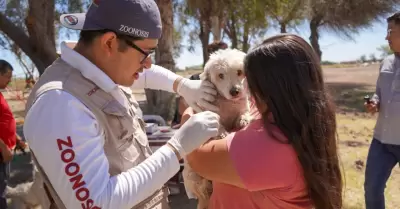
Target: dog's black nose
(234, 92)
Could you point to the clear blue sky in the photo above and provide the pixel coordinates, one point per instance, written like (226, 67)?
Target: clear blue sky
(334, 48)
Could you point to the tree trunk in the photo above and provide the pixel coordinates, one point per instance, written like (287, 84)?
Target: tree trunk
(246, 44)
(204, 36)
(314, 37)
(216, 27)
(39, 44)
(230, 30)
(161, 102)
(283, 27)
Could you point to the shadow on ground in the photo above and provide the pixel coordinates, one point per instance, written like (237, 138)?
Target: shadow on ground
(181, 201)
(21, 170)
(349, 97)
(21, 167)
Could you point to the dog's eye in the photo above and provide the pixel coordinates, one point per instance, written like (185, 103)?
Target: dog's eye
(221, 76)
(239, 73)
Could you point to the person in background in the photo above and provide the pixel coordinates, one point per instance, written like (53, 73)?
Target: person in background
(215, 46)
(8, 130)
(287, 156)
(384, 151)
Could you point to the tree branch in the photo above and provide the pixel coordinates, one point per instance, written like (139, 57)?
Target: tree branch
(16, 34)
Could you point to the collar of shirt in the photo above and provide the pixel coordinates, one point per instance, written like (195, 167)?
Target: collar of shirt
(93, 73)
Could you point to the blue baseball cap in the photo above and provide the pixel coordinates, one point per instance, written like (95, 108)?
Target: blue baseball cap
(136, 18)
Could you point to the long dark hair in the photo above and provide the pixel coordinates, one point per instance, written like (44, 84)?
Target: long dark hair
(284, 74)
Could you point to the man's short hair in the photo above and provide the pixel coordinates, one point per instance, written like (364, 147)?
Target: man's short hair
(394, 18)
(4, 67)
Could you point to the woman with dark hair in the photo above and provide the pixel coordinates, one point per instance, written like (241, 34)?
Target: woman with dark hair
(287, 157)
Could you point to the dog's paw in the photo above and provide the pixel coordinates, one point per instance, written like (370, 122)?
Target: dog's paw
(192, 176)
(222, 133)
(189, 175)
(244, 120)
(190, 182)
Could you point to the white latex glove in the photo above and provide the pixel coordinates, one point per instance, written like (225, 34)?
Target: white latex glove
(195, 132)
(198, 94)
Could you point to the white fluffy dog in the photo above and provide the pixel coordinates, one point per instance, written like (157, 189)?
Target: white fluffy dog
(225, 70)
(30, 195)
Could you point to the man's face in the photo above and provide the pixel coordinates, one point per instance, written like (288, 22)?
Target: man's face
(124, 66)
(133, 61)
(393, 36)
(5, 79)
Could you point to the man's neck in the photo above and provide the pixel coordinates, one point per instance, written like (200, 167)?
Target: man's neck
(87, 52)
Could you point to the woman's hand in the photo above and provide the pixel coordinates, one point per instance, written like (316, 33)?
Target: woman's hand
(212, 159)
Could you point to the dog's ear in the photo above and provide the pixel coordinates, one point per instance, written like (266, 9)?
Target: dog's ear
(204, 75)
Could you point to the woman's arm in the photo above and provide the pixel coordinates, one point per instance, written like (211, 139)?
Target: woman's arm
(212, 160)
(249, 158)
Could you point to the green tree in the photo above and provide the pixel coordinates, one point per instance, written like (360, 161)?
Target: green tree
(385, 50)
(344, 17)
(160, 102)
(287, 13)
(240, 20)
(246, 20)
(372, 57)
(363, 58)
(33, 26)
(196, 16)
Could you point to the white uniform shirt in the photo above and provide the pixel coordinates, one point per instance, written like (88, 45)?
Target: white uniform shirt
(57, 114)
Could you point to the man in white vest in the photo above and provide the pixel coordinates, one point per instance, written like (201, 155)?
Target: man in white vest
(86, 137)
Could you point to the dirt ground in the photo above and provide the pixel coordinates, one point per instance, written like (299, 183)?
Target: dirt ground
(348, 86)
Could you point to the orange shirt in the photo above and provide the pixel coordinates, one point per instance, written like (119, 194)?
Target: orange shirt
(268, 168)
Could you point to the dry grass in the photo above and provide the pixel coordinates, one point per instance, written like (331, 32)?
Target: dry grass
(348, 86)
(355, 134)
(355, 128)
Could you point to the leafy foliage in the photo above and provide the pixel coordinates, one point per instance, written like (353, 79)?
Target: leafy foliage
(385, 50)
(246, 21)
(17, 13)
(286, 13)
(345, 18)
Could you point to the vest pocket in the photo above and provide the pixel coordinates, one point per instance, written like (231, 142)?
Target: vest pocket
(140, 132)
(130, 152)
